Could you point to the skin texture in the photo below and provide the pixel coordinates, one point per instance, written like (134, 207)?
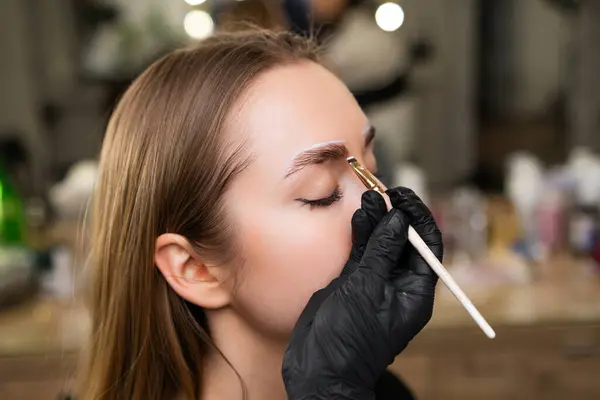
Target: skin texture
(287, 250)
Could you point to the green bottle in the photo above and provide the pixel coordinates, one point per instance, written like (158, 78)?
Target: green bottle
(13, 224)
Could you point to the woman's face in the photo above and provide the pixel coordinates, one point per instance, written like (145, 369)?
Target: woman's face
(292, 206)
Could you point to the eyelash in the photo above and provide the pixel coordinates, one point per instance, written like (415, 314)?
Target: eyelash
(325, 202)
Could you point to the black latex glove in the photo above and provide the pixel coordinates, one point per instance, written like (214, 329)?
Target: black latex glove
(353, 329)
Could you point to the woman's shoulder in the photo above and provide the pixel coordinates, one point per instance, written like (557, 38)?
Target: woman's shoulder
(391, 387)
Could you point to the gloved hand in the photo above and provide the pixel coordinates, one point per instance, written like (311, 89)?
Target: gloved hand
(351, 330)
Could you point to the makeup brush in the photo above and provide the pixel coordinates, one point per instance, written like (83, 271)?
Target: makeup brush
(372, 183)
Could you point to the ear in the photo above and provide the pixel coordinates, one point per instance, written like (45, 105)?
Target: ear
(187, 274)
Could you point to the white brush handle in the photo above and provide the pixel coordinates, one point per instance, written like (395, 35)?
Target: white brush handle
(438, 268)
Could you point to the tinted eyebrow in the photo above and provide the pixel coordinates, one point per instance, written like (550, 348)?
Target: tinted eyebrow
(318, 155)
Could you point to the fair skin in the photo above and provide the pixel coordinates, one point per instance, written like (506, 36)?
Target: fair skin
(287, 249)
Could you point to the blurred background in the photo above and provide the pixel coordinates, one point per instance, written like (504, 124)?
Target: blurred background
(489, 109)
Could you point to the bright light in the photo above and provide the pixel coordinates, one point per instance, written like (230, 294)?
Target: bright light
(194, 2)
(198, 24)
(389, 16)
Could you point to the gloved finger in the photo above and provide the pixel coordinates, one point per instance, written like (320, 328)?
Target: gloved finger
(421, 219)
(364, 221)
(419, 215)
(374, 205)
(314, 303)
(386, 244)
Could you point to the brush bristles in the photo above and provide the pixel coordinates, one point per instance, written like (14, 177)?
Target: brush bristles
(351, 160)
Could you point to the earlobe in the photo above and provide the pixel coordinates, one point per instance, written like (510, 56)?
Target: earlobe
(187, 275)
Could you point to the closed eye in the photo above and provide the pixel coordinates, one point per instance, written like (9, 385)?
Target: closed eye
(324, 202)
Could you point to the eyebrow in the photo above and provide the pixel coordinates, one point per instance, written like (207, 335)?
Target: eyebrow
(321, 153)
(369, 134)
(317, 155)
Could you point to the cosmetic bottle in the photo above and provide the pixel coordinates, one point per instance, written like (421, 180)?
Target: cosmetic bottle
(524, 186)
(551, 218)
(411, 176)
(470, 222)
(585, 214)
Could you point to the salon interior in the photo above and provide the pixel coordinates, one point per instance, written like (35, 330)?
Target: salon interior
(488, 109)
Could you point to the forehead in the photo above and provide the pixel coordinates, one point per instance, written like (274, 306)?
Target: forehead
(292, 107)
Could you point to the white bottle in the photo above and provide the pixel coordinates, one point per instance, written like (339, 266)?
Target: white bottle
(470, 222)
(524, 187)
(412, 177)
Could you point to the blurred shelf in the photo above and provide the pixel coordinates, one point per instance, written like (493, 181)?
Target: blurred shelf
(547, 345)
(548, 337)
(572, 296)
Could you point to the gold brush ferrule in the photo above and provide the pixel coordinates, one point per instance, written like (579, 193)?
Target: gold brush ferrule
(365, 176)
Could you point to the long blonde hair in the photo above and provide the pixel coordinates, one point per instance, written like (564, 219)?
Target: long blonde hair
(164, 166)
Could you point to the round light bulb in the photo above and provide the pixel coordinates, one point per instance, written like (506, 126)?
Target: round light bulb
(389, 16)
(198, 24)
(194, 2)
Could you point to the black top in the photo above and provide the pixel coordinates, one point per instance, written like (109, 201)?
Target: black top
(390, 387)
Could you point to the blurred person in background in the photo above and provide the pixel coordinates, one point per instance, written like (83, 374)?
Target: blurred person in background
(229, 259)
(375, 64)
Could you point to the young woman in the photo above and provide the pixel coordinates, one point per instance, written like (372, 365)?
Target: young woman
(223, 203)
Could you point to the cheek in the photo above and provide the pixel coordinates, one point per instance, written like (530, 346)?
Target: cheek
(287, 257)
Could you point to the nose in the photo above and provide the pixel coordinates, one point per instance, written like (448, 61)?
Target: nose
(354, 190)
